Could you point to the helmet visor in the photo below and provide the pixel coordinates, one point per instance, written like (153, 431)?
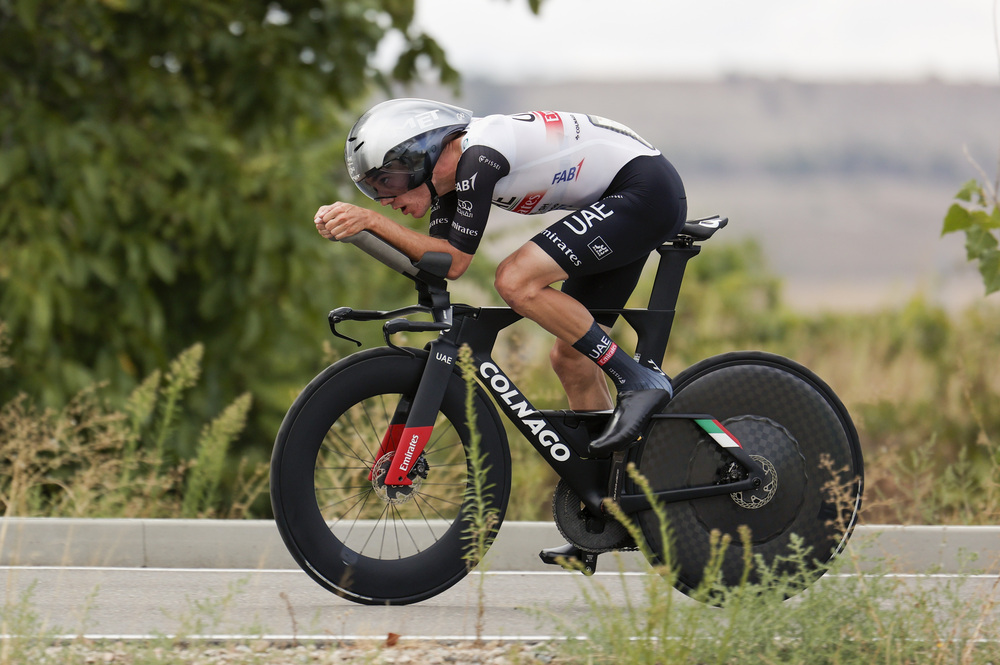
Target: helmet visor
(387, 181)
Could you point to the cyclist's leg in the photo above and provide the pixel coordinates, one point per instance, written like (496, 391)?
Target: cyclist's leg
(524, 280)
(643, 208)
(583, 381)
(604, 261)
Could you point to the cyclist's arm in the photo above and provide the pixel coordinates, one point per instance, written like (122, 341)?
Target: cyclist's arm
(415, 244)
(479, 170)
(458, 218)
(352, 219)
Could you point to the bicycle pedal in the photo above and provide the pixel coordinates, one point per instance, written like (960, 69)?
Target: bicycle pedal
(565, 555)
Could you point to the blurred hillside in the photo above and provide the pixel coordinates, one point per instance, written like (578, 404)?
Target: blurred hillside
(845, 184)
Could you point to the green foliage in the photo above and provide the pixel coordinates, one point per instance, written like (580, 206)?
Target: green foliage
(977, 214)
(851, 618)
(87, 459)
(159, 166)
(5, 360)
(481, 517)
(202, 488)
(25, 634)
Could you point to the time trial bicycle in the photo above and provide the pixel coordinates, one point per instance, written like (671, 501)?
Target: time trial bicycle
(371, 469)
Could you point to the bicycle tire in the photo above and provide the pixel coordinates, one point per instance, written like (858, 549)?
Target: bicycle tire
(343, 534)
(778, 410)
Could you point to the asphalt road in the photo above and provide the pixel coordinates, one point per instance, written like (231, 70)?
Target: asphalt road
(285, 604)
(147, 578)
(138, 602)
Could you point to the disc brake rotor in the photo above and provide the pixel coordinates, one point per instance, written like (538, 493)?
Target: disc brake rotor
(760, 497)
(770, 509)
(397, 494)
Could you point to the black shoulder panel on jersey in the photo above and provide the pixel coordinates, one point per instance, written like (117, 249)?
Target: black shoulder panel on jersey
(441, 213)
(479, 170)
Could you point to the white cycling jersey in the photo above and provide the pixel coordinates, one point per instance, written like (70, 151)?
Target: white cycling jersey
(557, 160)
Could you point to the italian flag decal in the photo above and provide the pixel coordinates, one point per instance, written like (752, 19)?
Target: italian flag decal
(719, 434)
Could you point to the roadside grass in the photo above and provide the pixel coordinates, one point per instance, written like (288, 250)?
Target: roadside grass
(481, 516)
(857, 614)
(846, 619)
(91, 459)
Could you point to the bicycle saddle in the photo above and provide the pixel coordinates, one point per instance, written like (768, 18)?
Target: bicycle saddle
(702, 229)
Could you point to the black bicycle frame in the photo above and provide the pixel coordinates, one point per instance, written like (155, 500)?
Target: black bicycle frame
(560, 437)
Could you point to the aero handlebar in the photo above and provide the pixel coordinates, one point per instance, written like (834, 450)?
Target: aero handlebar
(382, 251)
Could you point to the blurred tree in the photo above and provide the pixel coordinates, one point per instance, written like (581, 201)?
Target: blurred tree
(976, 213)
(160, 161)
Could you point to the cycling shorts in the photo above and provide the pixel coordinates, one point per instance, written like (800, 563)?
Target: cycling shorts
(604, 246)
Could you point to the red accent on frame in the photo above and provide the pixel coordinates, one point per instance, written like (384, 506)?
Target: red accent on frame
(411, 444)
(389, 442)
(728, 433)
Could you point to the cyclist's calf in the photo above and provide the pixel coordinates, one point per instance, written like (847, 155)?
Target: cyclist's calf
(582, 380)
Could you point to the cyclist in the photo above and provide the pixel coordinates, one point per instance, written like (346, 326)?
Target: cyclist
(622, 200)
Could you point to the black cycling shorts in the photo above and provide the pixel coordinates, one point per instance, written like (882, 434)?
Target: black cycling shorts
(604, 246)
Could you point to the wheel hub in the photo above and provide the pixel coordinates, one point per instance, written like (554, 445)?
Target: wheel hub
(760, 496)
(768, 510)
(397, 494)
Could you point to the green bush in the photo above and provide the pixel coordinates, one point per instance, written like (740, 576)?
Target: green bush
(160, 164)
(89, 459)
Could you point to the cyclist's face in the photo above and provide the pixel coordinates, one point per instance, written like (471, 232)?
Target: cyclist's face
(384, 184)
(415, 202)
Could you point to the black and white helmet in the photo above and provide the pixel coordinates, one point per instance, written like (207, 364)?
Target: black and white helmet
(394, 146)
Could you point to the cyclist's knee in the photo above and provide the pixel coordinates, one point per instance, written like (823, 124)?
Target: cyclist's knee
(525, 274)
(510, 282)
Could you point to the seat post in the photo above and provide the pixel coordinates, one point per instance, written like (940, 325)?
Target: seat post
(670, 274)
(653, 325)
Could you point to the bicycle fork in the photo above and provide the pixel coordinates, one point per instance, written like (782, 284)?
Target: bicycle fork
(413, 421)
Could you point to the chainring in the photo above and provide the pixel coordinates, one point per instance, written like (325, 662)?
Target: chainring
(579, 528)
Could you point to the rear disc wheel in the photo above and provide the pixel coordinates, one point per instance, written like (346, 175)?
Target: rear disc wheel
(793, 424)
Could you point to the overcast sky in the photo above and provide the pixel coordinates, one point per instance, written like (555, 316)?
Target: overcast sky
(954, 40)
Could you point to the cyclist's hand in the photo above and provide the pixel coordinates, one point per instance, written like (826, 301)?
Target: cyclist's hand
(342, 220)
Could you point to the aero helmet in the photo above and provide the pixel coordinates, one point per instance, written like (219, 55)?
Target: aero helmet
(394, 146)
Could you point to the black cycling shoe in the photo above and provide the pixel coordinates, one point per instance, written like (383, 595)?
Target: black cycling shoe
(632, 414)
(556, 556)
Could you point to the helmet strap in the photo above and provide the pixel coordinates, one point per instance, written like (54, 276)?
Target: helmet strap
(430, 186)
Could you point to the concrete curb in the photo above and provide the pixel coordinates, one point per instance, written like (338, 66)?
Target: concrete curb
(255, 544)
